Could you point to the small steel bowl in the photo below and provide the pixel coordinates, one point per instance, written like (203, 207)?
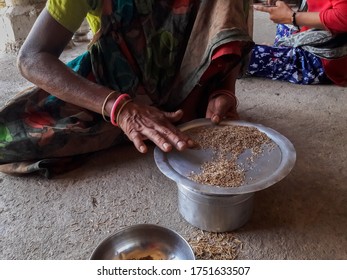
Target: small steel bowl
(144, 242)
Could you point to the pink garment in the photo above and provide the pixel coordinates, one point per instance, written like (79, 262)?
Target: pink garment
(333, 14)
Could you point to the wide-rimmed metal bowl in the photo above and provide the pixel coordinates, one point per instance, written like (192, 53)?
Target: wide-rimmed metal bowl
(144, 242)
(219, 209)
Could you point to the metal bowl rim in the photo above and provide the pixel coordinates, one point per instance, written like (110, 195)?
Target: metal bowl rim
(287, 149)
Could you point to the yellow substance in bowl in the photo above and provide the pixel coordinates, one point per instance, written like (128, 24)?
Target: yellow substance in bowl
(138, 254)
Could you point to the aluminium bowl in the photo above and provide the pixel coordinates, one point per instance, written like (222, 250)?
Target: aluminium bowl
(144, 242)
(221, 209)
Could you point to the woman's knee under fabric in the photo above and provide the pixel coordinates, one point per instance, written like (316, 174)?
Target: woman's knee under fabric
(37, 125)
(287, 64)
(294, 65)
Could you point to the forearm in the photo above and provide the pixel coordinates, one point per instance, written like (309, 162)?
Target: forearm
(38, 61)
(49, 73)
(309, 19)
(230, 81)
(283, 14)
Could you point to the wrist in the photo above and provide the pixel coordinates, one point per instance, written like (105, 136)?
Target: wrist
(109, 104)
(118, 106)
(122, 112)
(106, 107)
(294, 20)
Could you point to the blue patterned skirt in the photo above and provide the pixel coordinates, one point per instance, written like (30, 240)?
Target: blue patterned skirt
(292, 64)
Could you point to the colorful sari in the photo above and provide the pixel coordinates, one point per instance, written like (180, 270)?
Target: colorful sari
(158, 49)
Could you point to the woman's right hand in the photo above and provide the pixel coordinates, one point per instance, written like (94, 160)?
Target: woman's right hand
(140, 122)
(280, 13)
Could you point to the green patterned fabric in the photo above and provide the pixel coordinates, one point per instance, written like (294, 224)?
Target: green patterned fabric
(171, 43)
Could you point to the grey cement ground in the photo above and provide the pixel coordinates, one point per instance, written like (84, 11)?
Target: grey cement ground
(302, 217)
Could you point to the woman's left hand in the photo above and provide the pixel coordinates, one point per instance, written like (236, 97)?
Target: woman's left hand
(220, 107)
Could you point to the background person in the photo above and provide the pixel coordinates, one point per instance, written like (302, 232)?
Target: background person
(310, 46)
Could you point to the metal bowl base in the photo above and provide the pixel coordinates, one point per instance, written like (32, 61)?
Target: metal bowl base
(215, 213)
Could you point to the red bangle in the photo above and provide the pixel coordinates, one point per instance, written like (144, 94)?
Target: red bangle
(119, 101)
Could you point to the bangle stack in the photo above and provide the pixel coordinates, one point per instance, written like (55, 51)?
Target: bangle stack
(104, 105)
(117, 107)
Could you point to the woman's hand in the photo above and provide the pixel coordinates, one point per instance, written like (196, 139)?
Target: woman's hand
(281, 13)
(140, 122)
(220, 107)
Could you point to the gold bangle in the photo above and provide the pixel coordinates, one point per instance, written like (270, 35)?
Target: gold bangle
(121, 108)
(104, 104)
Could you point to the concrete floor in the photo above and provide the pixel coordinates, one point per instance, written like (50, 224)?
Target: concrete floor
(302, 217)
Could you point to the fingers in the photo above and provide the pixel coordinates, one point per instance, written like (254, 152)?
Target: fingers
(178, 139)
(159, 140)
(150, 123)
(167, 138)
(174, 116)
(263, 8)
(137, 139)
(268, 8)
(215, 117)
(219, 107)
(273, 2)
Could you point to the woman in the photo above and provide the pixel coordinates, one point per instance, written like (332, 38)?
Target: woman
(310, 46)
(150, 65)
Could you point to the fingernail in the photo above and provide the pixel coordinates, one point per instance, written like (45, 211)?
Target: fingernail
(215, 119)
(180, 145)
(142, 149)
(166, 146)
